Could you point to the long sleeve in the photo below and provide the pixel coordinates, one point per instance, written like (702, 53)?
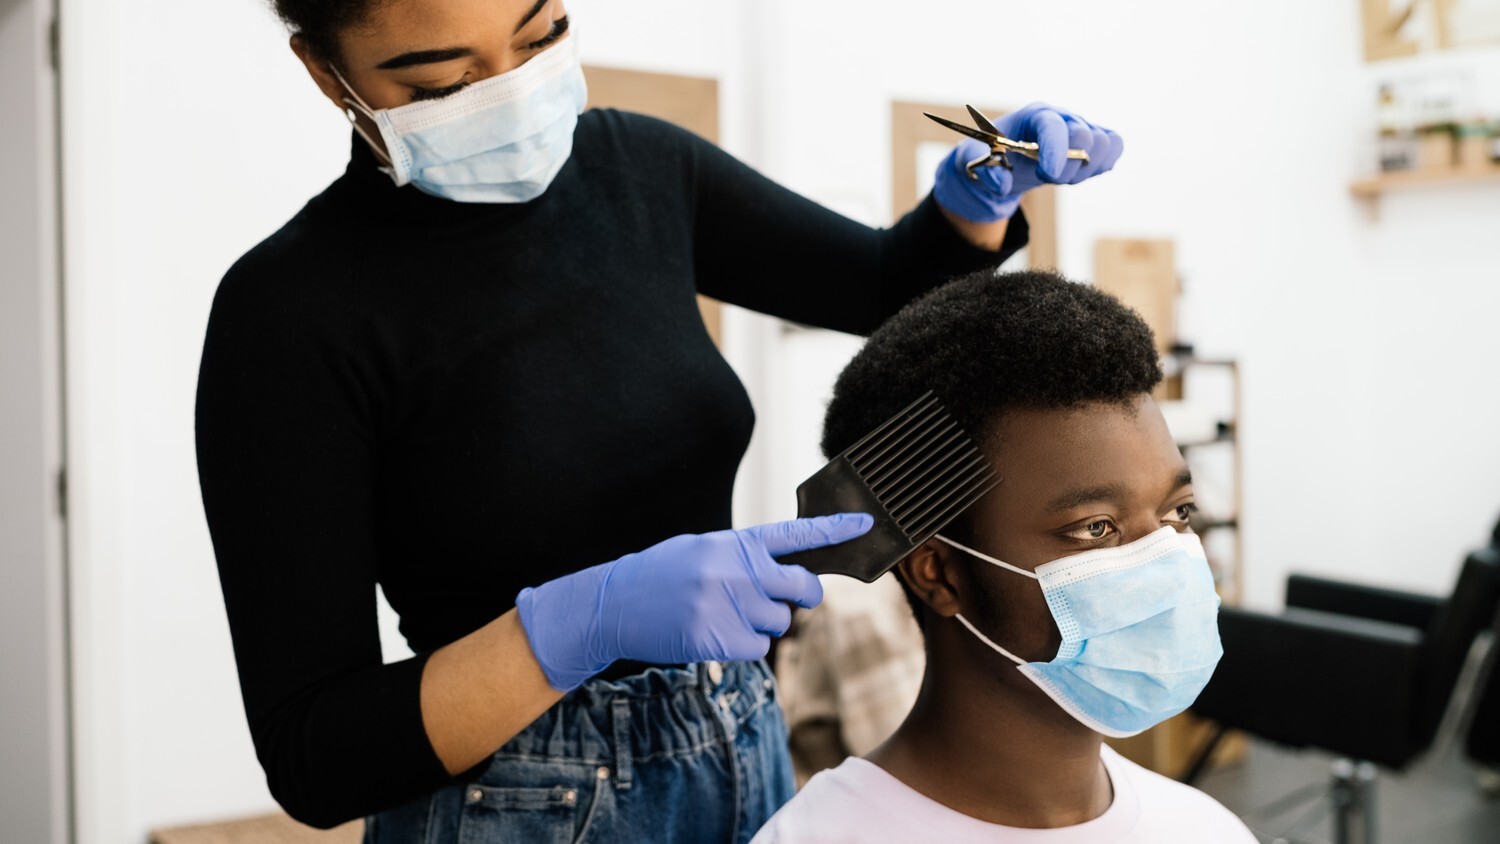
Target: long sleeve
(763, 247)
(286, 454)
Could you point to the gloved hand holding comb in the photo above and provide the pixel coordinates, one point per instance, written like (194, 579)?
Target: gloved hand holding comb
(714, 596)
(997, 190)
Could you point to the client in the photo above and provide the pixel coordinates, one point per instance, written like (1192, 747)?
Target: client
(1072, 602)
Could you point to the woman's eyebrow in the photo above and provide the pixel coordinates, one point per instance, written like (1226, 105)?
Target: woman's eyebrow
(535, 10)
(425, 57)
(417, 57)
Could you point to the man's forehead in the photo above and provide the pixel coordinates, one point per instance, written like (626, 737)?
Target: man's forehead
(1109, 449)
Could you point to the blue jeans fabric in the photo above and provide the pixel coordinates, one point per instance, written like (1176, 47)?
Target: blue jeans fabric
(696, 755)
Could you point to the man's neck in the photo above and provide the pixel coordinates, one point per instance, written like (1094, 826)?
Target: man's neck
(998, 751)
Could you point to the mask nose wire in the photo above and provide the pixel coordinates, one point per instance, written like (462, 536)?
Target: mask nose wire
(358, 103)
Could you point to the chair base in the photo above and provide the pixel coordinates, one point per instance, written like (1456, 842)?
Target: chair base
(1352, 792)
(1349, 797)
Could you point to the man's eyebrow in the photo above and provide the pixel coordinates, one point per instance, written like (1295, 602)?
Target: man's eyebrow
(425, 57)
(1084, 495)
(1184, 478)
(535, 10)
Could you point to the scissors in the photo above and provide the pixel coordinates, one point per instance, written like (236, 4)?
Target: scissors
(999, 145)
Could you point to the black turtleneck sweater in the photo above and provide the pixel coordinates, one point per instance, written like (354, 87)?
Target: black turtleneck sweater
(456, 401)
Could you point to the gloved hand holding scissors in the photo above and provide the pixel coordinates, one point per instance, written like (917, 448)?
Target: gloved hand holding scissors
(713, 596)
(982, 179)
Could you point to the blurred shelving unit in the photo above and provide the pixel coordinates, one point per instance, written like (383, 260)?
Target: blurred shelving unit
(1219, 514)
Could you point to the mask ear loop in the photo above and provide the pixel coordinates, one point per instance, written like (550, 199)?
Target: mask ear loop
(985, 639)
(358, 103)
(986, 557)
(1002, 564)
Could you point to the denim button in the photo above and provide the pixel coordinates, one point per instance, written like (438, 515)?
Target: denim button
(570, 797)
(602, 773)
(475, 796)
(715, 673)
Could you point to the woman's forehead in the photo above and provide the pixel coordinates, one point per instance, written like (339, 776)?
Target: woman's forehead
(393, 27)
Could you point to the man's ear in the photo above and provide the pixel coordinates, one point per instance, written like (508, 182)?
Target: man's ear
(321, 71)
(931, 572)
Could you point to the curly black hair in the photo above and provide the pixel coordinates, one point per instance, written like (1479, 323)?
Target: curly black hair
(991, 342)
(319, 22)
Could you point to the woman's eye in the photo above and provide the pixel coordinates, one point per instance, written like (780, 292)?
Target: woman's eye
(559, 28)
(418, 94)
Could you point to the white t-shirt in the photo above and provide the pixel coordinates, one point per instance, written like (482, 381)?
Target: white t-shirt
(859, 802)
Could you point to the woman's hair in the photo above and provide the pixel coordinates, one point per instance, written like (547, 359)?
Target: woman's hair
(319, 22)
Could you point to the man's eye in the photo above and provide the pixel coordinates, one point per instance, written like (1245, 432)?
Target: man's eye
(1093, 531)
(1184, 513)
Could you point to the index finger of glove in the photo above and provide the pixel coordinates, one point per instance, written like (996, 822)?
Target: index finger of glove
(782, 538)
(1052, 136)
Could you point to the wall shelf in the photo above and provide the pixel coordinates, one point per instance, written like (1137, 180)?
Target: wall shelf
(1374, 186)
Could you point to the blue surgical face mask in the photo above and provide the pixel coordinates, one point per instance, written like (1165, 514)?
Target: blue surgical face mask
(1139, 625)
(501, 139)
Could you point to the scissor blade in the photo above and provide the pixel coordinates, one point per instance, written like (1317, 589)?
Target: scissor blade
(983, 122)
(964, 130)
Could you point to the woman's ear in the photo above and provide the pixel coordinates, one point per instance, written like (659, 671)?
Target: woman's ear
(931, 572)
(321, 72)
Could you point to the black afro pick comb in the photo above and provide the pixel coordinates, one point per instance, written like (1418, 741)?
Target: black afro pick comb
(915, 473)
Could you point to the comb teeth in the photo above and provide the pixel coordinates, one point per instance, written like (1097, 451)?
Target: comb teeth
(922, 467)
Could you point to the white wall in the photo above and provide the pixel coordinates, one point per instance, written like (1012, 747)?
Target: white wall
(1368, 347)
(191, 133)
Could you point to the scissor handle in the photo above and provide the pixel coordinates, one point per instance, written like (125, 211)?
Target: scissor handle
(997, 157)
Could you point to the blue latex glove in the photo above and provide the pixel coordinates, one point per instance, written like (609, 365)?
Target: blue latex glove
(714, 596)
(996, 193)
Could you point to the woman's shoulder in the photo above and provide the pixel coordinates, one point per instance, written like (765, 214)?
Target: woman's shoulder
(634, 132)
(295, 270)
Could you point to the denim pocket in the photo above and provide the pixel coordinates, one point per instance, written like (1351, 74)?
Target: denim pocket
(557, 815)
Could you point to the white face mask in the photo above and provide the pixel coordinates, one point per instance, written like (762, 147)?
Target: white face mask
(1139, 625)
(502, 139)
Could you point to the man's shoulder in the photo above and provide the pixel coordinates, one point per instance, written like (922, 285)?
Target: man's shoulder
(1175, 807)
(838, 805)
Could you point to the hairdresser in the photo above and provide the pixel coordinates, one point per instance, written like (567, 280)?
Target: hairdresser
(473, 371)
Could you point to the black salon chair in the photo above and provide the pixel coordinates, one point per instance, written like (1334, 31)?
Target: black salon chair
(1362, 672)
